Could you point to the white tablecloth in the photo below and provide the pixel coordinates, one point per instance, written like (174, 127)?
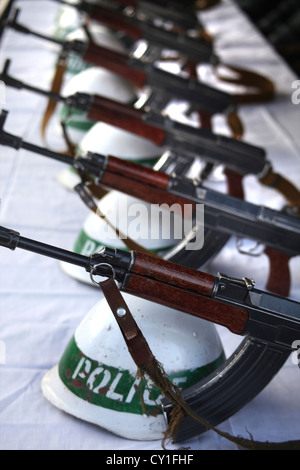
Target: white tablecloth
(41, 307)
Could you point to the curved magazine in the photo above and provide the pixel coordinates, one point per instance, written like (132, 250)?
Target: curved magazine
(234, 384)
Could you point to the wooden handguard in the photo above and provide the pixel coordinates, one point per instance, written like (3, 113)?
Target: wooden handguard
(143, 183)
(285, 187)
(173, 274)
(126, 117)
(181, 288)
(114, 61)
(116, 21)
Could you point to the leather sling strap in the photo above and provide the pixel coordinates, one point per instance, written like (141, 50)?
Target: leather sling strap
(56, 85)
(149, 366)
(83, 189)
(285, 187)
(264, 89)
(135, 341)
(235, 124)
(71, 148)
(233, 120)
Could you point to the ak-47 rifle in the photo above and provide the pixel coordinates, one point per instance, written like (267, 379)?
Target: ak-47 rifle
(239, 158)
(269, 324)
(194, 50)
(224, 215)
(164, 86)
(170, 12)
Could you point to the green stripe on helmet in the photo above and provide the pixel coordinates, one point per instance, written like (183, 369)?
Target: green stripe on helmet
(119, 389)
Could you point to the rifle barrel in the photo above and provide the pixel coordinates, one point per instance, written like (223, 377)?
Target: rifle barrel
(230, 302)
(52, 251)
(13, 23)
(46, 152)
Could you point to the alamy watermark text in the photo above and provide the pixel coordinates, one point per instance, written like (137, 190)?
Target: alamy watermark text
(141, 221)
(296, 93)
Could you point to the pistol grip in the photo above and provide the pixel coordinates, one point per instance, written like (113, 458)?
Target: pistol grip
(279, 281)
(205, 120)
(234, 184)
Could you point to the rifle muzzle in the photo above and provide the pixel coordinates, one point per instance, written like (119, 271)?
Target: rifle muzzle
(9, 238)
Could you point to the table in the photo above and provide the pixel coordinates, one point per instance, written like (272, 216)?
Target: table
(41, 307)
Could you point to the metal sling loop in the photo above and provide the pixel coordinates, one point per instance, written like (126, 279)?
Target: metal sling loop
(96, 266)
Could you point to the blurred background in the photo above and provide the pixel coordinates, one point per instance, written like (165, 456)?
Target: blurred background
(279, 22)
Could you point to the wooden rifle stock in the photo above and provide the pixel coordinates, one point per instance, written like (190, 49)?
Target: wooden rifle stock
(126, 117)
(180, 288)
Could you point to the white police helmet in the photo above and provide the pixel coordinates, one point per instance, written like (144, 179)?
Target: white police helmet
(95, 379)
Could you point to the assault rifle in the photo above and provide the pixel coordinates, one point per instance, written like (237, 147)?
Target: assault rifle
(196, 50)
(140, 70)
(193, 51)
(224, 215)
(269, 324)
(239, 158)
(170, 13)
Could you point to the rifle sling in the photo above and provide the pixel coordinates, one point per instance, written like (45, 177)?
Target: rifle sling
(235, 124)
(264, 86)
(86, 190)
(56, 85)
(71, 148)
(133, 336)
(285, 187)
